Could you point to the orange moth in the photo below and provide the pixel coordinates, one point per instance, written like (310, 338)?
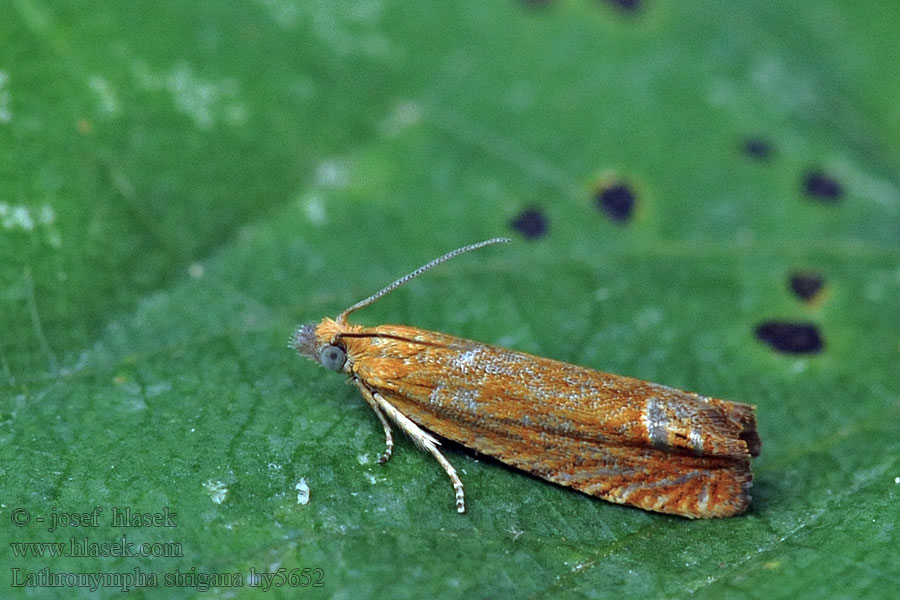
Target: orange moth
(618, 438)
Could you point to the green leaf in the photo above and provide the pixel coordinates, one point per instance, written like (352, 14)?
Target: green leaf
(181, 184)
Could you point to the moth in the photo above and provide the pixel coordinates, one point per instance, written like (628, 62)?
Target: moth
(618, 438)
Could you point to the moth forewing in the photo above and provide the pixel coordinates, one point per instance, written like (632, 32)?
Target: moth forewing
(618, 438)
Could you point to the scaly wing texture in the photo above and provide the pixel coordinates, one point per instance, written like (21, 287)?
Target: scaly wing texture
(618, 438)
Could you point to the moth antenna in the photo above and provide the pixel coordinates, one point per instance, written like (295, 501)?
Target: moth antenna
(342, 318)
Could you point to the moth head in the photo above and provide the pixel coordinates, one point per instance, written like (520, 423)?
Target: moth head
(306, 343)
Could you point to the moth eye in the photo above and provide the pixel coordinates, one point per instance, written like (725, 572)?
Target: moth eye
(332, 357)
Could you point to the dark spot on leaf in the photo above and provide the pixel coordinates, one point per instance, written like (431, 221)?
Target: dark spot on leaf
(616, 201)
(821, 186)
(758, 148)
(791, 338)
(531, 223)
(806, 284)
(625, 5)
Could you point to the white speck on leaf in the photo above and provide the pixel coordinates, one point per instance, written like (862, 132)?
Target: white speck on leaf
(302, 491)
(204, 101)
(403, 115)
(106, 95)
(314, 207)
(332, 173)
(217, 490)
(5, 112)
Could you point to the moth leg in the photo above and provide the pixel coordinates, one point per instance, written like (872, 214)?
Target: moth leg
(423, 440)
(388, 437)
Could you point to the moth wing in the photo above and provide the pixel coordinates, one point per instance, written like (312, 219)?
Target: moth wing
(617, 438)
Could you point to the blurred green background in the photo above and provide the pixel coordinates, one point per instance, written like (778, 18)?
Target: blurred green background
(182, 183)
